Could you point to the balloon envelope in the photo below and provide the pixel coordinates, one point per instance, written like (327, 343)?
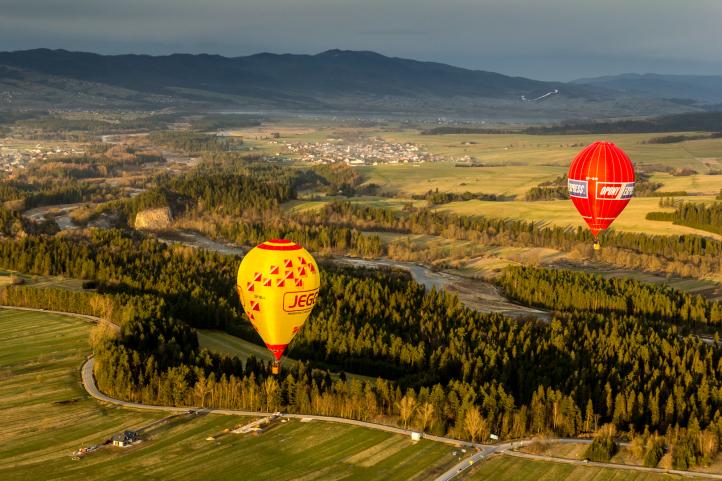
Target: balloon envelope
(278, 284)
(601, 183)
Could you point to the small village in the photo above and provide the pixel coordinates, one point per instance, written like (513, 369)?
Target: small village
(374, 151)
(14, 158)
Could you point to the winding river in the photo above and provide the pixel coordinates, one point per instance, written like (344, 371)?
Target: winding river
(477, 294)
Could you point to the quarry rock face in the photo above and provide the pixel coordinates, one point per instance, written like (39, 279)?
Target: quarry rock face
(153, 219)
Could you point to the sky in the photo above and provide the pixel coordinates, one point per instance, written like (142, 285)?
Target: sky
(541, 39)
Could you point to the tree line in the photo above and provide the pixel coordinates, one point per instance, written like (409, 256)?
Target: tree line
(700, 216)
(434, 197)
(194, 143)
(565, 290)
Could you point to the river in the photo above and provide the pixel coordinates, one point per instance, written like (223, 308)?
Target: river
(477, 294)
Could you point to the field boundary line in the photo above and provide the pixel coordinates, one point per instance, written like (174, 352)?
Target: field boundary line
(629, 467)
(85, 317)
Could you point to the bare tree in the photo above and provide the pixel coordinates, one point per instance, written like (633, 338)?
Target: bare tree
(708, 446)
(475, 424)
(271, 389)
(426, 415)
(201, 390)
(406, 408)
(102, 307)
(100, 332)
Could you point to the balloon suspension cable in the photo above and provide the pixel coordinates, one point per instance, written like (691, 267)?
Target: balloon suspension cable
(276, 368)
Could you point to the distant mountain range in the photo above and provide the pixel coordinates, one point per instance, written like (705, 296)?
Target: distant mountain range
(335, 81)
(698, 88)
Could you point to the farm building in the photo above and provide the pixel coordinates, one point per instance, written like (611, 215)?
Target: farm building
(126, 438)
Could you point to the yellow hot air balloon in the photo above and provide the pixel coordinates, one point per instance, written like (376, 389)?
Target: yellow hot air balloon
(278, 284)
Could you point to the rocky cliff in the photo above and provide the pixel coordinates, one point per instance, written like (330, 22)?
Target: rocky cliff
(153, 219)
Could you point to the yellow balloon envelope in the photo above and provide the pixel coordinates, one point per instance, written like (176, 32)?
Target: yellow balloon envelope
(278, 284)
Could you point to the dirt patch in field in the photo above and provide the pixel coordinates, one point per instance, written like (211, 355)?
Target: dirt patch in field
(376, 454)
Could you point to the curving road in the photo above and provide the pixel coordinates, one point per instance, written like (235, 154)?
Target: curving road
(92, 389)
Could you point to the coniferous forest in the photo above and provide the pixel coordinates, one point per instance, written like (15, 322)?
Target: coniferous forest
(623, 357)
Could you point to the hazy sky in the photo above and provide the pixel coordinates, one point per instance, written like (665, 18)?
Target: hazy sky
(543, 39)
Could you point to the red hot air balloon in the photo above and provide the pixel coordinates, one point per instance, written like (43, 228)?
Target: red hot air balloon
(601, 182)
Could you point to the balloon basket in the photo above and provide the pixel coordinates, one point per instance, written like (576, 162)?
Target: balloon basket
(276, 368)
(597, 246)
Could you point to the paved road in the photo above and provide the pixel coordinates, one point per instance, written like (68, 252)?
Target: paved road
(477, 457)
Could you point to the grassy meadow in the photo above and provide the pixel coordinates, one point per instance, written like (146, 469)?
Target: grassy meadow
(46, 414)
(224, 343)
(59, 282)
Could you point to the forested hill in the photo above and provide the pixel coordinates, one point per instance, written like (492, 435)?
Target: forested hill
(331, 80)
(333, 71)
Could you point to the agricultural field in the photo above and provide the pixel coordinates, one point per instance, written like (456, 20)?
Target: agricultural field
(508, 468)
(46, 415)
(563, 213)
(518, 162)
(692, 184)
(508, 180)
(558, 150)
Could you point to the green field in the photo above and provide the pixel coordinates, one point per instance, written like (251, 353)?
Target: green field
(45, 415)
(508, 468)
(509, 180)
(225, 343)
(405, 180)
(693, 184)
(59, 282)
